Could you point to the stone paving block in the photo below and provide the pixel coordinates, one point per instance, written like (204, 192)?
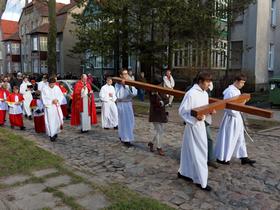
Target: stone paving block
(58, 180)
(76, 190)
(93, 202)
(44, 172)
(14, 179)
(61, 208)
(25, 190)
(39, 201)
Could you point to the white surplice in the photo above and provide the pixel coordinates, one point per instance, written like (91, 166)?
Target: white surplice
(53, 113)
(15, 108)
(109, 111)
(27, 95)
(124, 96)
(230, 139)
(3, 104)
(41, 85)
(193, 163)
(85, 118)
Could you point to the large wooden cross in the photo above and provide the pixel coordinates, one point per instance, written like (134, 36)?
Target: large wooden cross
(235, 103)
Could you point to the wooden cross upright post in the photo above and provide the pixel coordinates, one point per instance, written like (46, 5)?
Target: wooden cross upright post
(235, 103)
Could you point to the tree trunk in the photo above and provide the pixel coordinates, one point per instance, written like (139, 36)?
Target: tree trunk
(124, 40)
(52, 38)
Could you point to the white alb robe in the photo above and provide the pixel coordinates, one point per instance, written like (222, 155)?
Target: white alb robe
(109, 111)
(53, 113)
(41, 85)
(124, 96)
(27, 95)
(230, 139)
(193, 163)
(85, 118)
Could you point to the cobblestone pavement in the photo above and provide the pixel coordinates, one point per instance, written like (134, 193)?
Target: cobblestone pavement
(100, 153)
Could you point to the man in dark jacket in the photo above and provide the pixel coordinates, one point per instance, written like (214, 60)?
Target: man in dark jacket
(158, 116)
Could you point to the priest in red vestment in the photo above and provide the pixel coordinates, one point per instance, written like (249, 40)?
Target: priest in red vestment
(4, 93)
(15, 101)
(83, 105)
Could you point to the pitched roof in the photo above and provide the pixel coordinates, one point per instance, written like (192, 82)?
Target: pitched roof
(8, 28)
(13, 37)
(42, 7)
(44, 29)
(67, 7)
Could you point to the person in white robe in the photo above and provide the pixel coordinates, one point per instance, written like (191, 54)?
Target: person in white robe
(124, 94)
(43, 83)
(193, 162)
(52, 98)
(169, 82)
(231, 139)
(25, 90)
(109, 111)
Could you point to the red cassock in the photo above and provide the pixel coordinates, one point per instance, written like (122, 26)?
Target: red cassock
(64, 105)
(15, 114)
(39, 118)
(77, 104)
(3, 105)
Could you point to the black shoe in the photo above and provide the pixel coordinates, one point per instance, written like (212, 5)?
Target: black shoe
(223, 162)
(52, 139)
(246, 160)
(30, 117)
(55, 136)
(128, 144)
(22, 128)
(180, 176)
(83, 131)
(207, 188)
(12, 127)
(106, 128)
(116, 128)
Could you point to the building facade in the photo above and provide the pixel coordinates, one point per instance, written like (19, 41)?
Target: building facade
(7, 28)
(32, 38)
(255, 43)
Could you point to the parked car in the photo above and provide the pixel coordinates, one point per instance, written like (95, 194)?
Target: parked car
(69, 85)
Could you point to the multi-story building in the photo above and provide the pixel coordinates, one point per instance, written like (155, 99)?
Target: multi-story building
(7, 29)
(32, 39)
(255, 43)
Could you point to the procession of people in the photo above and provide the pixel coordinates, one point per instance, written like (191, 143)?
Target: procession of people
(47, 104)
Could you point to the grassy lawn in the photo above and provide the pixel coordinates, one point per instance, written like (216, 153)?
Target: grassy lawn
(18, 155)
(21, 156)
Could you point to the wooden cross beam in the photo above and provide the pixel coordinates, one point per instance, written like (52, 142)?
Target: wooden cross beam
(235, 103)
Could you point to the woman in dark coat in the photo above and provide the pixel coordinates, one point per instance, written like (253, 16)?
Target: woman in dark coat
(158, 116)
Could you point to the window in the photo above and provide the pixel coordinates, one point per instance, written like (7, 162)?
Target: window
(16, 67)
(8, 48)
(273, 13)
(43, 43)
(35, 44)
(44, 67)
(35, 65)
(97, 62)
(271, 57)
(15, 48)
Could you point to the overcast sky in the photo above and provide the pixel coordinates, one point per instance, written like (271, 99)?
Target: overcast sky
(14, 8)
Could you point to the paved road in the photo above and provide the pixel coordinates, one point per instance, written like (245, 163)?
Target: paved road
(100, 153)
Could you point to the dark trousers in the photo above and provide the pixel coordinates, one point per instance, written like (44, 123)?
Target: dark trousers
(210, 142)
